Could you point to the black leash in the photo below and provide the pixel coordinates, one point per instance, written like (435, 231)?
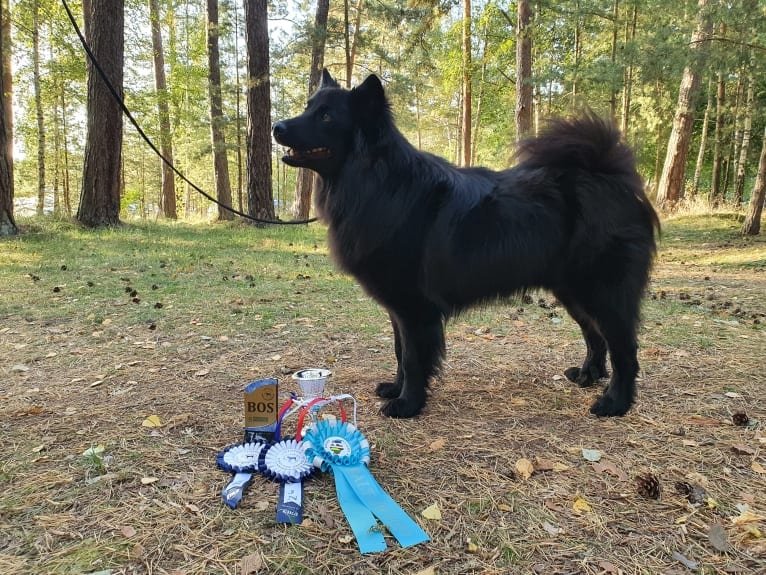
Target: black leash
(154, 148)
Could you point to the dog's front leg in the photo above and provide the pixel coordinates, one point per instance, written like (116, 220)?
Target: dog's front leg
(421, 340)
(390, 390)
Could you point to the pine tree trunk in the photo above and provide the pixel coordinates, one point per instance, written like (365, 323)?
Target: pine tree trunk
(671, 185)
(38, 108)
(100, 196)
(716, 194)
(218, 139)
(260, 202)
(613, 57)
(523, 71)
(752, 225)
(168, 193)
(747, 125)
(703, 142)
(467, 88)
(7, 223)
(627, 88)
(355, 37)
(305, 180)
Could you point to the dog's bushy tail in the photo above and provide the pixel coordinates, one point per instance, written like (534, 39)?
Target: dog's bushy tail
(586, 142)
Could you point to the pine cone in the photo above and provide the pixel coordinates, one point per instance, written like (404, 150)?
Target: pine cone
(648, 486)
(740, 418)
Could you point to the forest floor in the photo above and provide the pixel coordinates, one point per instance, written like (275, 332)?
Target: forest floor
(505, 450)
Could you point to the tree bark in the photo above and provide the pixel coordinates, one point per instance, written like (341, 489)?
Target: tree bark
(100, 196)
(217, 136)
(168, 193)
(38, 108)
(523, 70)
(752, 225)
(7, 223)
(671, 186)
(304, 185)
(467, 81)
(259, 195)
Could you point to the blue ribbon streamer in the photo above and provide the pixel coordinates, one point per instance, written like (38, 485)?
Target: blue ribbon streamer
(342, 449)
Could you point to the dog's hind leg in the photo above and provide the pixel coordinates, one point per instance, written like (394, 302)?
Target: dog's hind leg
(615, 312)
(594, 366)
(422, 349)
(390, 390)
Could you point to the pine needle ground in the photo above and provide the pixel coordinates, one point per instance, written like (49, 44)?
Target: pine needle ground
(85, 488)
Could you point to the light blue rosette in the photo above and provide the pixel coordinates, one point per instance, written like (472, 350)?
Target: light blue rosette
(341, 449)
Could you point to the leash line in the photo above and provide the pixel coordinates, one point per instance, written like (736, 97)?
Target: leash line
(118, 98)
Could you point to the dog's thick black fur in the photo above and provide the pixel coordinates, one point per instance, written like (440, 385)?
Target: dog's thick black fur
(427, 239)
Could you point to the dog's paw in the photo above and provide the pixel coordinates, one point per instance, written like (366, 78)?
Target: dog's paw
(388, 390)
(607, 406)
(584, 377)
(401, 408)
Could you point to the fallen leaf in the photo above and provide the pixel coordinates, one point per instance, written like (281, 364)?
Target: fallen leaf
(747, 516)
(609, 567)
(152, 421)
(525, 468)
(732, 394)
(757, 467)
(743, 450)
(551, 529)
(251, 564)
(543, 465)
(437, 444)
(346, 539)
(96, 450)
(688, 563)
(191, 507)
(581, 505)
(261, 505)
(432, 512)
(149, 480)
(201, 372)
(127, 531)
(611, 468)
(718, 537)
(591, 454)
(702, 420)
(504, 507)
(427, 571)
(470, 546)
(19, 367)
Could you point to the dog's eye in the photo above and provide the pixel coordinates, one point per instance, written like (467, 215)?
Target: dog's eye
(326, 117)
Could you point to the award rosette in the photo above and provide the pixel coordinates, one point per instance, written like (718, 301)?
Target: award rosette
(242, 460)
(341, 449)
(285, 461)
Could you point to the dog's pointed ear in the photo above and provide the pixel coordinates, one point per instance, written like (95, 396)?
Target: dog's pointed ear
(369, 95)
(327, 81)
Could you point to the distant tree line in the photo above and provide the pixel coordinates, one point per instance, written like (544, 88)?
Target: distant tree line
(684, 81)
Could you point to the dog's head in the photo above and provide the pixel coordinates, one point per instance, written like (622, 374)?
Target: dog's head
(321, 138)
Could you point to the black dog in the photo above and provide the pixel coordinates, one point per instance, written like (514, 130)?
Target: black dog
(427, 239)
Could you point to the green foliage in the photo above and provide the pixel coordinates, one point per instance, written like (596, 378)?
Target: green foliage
(582, 57)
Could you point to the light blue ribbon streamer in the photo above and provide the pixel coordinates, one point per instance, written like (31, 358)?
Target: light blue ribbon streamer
(361, 498)
(361, 520)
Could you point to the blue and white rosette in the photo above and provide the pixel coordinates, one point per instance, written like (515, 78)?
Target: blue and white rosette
(242, 460)
(341, 449)
(285, 461)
